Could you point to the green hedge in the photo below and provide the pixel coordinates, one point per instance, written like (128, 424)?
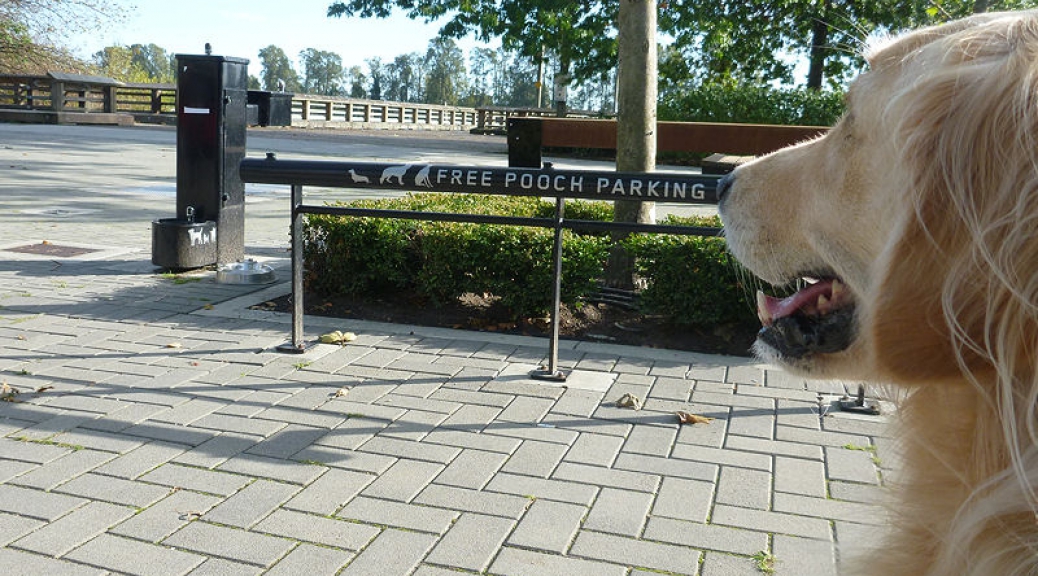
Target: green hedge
(750, 103)
(443, 260)
(692, 281)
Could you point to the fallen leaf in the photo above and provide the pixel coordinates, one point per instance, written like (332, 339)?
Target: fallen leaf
(189, 515)
(21, 337)
(629, 401)
(341, 392)
(45, 242)
(207, 307)
(174, 345)
(689, 418)
(337, 337)
(42, 389)
(6, 388)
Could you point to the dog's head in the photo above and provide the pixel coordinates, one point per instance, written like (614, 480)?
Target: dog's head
(915, 218)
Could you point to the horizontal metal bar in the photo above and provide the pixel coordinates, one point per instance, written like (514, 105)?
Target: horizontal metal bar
(592, 225)
(541, 182)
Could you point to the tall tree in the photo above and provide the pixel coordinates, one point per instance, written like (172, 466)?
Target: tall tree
(277, 67)
(402, 82)
(445, 79)
(357, 80)
(753, 41)
(34, 33)
(322, 72)
(377, 73)
(581, 34)
(136, 63)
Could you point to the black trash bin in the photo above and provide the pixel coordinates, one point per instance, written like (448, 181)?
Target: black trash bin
(275, 108)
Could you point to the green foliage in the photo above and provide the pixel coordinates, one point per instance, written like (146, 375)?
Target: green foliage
(750, 103)
(691, 280)
(443, 260)
(276, 66)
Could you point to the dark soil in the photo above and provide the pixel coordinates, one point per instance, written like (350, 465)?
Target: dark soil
(593, 322)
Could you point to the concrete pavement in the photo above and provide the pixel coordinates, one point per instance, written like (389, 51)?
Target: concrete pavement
(152, 429)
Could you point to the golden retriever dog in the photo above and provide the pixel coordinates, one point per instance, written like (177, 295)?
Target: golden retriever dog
(915, 221)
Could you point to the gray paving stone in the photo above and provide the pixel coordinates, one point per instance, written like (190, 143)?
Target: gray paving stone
(797, 476)
(559, 490)
(63, 469)
(641, 553)
(352, 433)
(473, 397)
(311, 560)
(684, 499)
(718, 564)
(803, 557)
(706, 536)
(827, 508)
(404, 480)
(393, 552)
(651, 440)
(347, 459)
(31, 451)
(818, 437)
(477, 441)
(287, 441)
(209, 481)
(549, 526)
(851, 465)
(169, 433)
(471, 417)
(217, 449)
(534, 458)
(472, 469)
(330, 492)
(398, 514)
(666, 466)
(230, 543)
(188, 412)
(479, 502)
(251, 503)
(543, 432)
(413, 425)
(130, 415)
(221, 567)
(166, 516)
(226, 423)
(413, 450)
(18, 563)
(853, 492)
(620, 512)
(133, 557)
(575, 402)
(519, 562)
(273, 468)
(98, 440)
(80, 525)
(626, 479)
(776, 447)
(317, 529)
(723, 457)
(526, 409)
(47, 506)
(744, 487)
(472, 542)
(116, 490)
(777, 522)
(56, 425)
(594, 449)
(13, 527)
(141, 460)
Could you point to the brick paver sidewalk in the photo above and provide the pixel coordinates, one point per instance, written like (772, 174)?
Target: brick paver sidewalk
(154, 431)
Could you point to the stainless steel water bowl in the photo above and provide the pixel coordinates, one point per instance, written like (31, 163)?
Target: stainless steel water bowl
(247, 271)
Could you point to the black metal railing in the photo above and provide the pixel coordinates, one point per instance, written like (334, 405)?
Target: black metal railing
(539, 182)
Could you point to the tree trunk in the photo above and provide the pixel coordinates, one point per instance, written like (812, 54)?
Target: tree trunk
(819, 45)
(636, 119)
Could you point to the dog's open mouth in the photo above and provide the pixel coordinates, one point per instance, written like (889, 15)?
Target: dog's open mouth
(817, 319)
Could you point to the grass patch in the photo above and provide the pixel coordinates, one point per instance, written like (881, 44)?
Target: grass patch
(765, 562)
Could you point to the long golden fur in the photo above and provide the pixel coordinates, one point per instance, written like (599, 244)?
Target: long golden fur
(923, 202)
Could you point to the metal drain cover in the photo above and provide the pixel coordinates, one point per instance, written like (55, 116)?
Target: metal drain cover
(246, 272)
(55, 250)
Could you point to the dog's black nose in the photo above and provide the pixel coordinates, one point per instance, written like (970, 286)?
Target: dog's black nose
(724, 186)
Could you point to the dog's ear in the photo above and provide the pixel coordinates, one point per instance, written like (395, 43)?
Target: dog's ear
(958, 287)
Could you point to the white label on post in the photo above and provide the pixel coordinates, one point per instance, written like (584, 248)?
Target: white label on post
(188, 110)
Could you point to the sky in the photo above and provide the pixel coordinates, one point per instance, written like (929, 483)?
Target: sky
(242, 27)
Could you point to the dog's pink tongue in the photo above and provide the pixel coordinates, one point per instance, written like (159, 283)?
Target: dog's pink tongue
(770, 308)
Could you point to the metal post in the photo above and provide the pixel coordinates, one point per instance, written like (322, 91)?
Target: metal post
(552, 372)
(297, 345)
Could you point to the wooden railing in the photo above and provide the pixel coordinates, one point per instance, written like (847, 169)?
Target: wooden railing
(494, 119)
(331, 112)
